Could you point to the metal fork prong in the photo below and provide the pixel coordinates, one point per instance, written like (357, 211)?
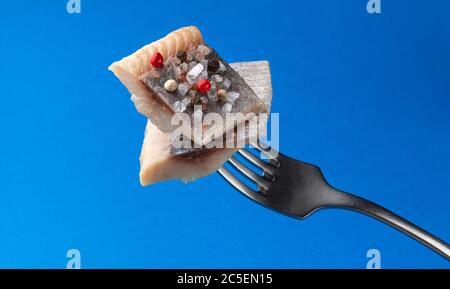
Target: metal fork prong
(260, 145)
(259, 180)
(240, 186)
(266, 150)
(269, 169)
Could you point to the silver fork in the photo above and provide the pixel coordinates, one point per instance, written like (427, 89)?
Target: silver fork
(298, 189)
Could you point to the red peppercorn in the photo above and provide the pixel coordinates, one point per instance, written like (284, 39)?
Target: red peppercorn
(203, 85)
(156, 60)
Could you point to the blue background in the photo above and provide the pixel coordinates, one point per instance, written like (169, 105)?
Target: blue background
(366, 97)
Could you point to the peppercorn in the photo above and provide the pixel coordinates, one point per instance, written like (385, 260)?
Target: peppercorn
(171, 85)
(195, 100)
(213, 66)
(203, 85)
(222, 94)
(156, 60)
(182, 55)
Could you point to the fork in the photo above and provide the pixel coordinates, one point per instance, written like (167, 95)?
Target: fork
(298, 189)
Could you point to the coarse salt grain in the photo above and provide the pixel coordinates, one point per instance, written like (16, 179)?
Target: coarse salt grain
(226, 83)
(203, 75)
(233, 96)
(226, 108)
(183, 88)
(184, 67)
(205, 50)
(217, 78)
(222, 67)
(199, 56)
(194, 73)
(179, 106)
(212, 93)
(186, 101)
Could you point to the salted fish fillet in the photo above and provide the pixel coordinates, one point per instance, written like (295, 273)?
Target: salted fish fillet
(130, 68)
(159, 163)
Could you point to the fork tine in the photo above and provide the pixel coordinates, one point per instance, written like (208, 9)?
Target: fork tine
(260, 181)
(260, 145)
(240, 186)
(268, 151)
(257, 161)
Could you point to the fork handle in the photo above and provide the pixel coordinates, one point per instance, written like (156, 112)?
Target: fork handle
(349, 201)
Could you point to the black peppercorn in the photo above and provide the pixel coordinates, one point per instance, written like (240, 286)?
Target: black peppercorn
(196, 100)
(213, 66)
(182, 55)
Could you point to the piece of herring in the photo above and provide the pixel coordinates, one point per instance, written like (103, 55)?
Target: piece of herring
(160, 161)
